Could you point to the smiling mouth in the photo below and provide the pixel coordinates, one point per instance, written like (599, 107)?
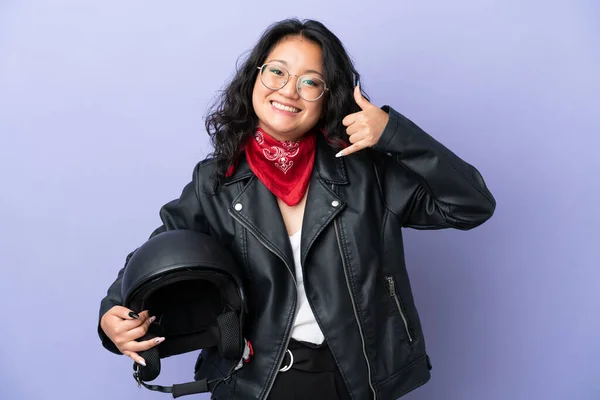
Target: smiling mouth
(281, 107)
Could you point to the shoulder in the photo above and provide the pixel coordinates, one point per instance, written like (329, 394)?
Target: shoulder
(203, 175)
(206, 166)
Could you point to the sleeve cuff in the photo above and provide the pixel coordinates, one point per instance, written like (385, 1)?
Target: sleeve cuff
(389, 131)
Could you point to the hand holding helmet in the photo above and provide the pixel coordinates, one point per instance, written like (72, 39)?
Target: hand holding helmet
(124, 327)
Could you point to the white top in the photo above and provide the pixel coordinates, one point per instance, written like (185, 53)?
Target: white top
(305, 326)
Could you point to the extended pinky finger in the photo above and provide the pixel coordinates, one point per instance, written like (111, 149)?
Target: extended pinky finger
(135, 357)
(350, 149)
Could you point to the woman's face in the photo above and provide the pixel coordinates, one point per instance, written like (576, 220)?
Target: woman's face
(298, 56)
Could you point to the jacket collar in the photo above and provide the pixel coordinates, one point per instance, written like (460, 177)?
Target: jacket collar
(330, 168)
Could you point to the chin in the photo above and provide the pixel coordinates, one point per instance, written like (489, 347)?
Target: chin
(283, 132)
(274, 127)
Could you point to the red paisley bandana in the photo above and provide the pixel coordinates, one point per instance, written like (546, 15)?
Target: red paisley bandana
(284, 167)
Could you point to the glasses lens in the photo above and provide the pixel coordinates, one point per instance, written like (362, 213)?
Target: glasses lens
(273, 76)
(310, 87)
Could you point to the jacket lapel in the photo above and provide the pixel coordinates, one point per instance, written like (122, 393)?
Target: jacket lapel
(255, 207)
(322, 202)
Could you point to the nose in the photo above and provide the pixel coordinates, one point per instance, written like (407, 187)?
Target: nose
(289, 89)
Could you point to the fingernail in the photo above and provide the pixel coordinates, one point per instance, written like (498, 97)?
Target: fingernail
(340, 154)
(152, 319)
(133, 315)
(142, 362)
(158, 340)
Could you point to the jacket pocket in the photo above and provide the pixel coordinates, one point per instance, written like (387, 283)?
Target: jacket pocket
(398, 305)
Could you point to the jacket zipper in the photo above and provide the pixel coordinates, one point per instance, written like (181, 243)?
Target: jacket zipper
(362, 338)
(392, 290)
(288, 335)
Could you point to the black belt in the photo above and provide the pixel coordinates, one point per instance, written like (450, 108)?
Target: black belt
(308, 357)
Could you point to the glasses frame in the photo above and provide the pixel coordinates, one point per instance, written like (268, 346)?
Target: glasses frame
(325, 89)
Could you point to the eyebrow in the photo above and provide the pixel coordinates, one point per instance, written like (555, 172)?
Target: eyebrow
(308, 70)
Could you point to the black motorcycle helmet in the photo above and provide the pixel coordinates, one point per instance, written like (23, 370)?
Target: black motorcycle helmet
(193, 286)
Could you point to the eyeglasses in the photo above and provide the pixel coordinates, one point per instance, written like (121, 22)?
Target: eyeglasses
(309, 87)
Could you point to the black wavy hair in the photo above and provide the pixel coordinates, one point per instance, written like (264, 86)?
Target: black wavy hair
(231, 119)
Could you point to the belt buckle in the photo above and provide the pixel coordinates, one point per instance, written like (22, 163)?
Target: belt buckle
(287, 367)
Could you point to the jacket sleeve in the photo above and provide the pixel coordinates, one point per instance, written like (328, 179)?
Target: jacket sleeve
(426, 184)
(183, 213)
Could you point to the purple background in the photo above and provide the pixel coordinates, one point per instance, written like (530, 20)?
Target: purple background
(101, 108)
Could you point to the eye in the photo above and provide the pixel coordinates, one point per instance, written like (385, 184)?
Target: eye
(312, 82)
(276, 71)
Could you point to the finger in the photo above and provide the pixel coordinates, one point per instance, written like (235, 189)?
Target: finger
(135, 346)
(352, 129)
(123, 312)
(125, 330)
(135, 357)
(130, 324)
(351, 149)
(137, 331)
(350, 119)
(357, 137)
(363, 135)
(360, 100)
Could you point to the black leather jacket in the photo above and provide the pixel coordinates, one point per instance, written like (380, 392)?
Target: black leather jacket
(352, 256)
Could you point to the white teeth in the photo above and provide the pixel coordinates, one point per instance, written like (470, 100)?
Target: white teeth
(284, 108)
